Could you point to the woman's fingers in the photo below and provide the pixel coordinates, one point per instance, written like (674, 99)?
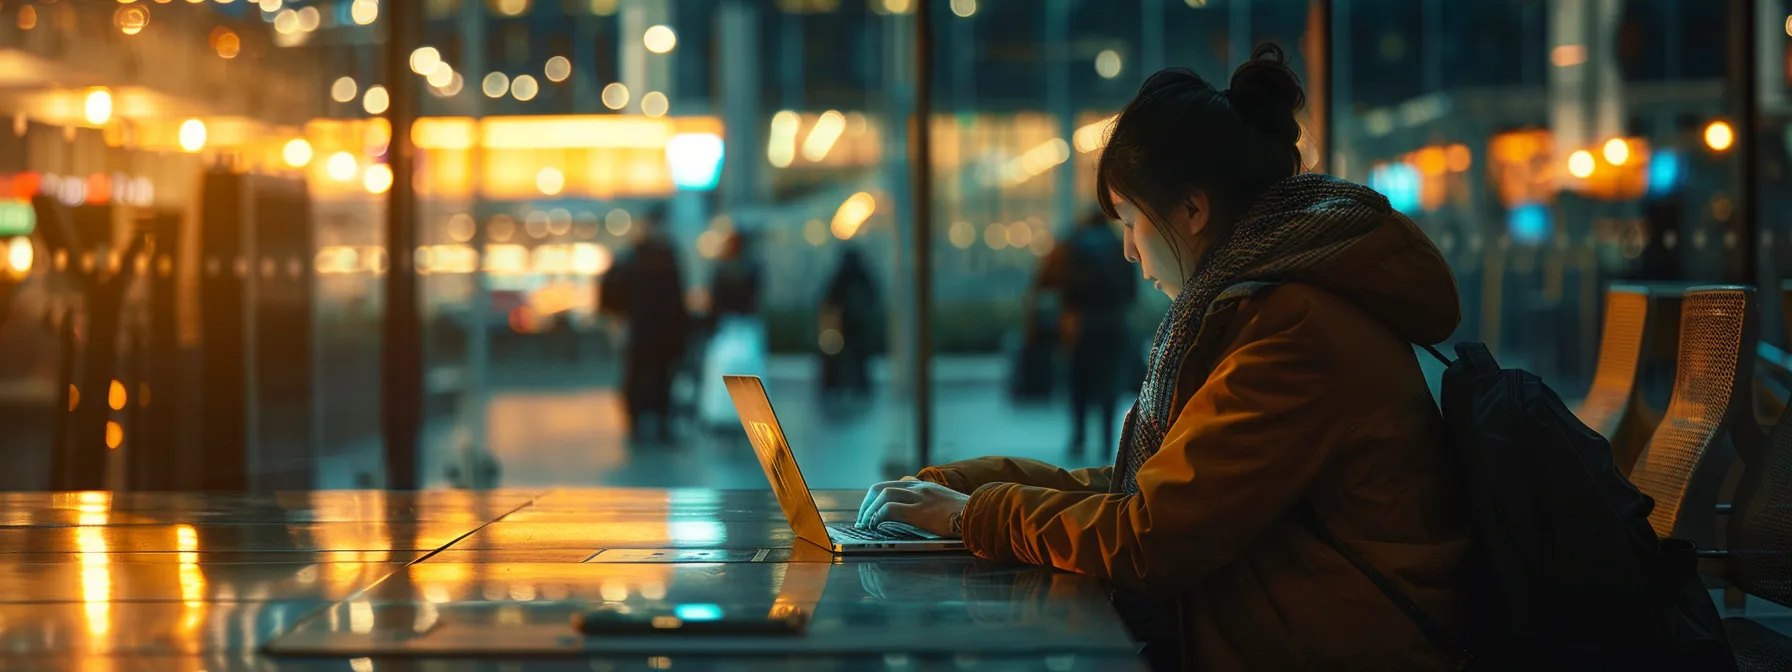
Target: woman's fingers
(893, 512)
(878, 495)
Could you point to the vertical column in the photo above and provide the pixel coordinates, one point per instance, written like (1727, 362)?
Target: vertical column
(737, 71)
(921, 184)
(897, 81)
(401, 359)
(1319, 80)
(640, 70)
(474, 402)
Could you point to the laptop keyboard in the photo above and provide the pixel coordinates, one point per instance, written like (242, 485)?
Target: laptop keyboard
(872, 533)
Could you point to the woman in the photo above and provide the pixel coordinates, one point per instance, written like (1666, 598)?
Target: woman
(1282, 378)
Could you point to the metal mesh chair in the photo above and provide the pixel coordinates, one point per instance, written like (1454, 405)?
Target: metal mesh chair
(1609, 407)
(1687, 458)
(1759, 560)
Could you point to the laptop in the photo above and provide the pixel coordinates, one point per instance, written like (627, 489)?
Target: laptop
(767, 437)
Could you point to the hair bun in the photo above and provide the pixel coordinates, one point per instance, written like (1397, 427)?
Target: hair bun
(1267, 92)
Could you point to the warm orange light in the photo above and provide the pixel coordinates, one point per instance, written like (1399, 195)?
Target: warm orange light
(116, 396)
(1580, 164)
(1719, 136)
(1616, 151)
(114, 434)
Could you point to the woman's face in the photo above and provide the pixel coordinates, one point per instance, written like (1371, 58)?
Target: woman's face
(1155, 251)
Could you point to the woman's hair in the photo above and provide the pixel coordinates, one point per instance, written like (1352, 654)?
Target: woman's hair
(1180, 135)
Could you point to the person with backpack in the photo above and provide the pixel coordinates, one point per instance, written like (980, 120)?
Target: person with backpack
(1281, 380)
(1098, 288)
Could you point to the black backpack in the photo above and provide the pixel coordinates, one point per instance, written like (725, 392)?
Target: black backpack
(1566, 572)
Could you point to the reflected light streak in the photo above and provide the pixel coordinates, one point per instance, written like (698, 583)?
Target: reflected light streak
(192, 580)
(1036, 161)
(852, 214)
(360, 616)
(822, 135)
(96, 574)
(780, 148)
(1092, 136)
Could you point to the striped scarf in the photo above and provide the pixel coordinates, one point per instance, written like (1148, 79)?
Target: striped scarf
(1296, 225)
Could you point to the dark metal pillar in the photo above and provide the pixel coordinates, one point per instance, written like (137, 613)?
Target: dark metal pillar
(1742, 101)
(920, 153)
(1319, 81)
(401, 363)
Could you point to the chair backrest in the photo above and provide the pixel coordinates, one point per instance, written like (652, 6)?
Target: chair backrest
(1686, 460)
(1760, 526)
(1608, 402)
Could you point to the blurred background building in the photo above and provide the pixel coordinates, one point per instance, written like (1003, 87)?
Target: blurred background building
(195, 197)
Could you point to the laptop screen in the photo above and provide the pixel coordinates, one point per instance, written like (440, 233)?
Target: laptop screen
(773, 450)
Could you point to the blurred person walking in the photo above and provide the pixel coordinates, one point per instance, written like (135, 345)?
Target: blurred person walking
(735, 339)
(646, 290)
(849, 312)
(1098, 287)
(1283, 398)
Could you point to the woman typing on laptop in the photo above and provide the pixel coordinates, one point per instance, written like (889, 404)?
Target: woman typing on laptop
(1281, 378)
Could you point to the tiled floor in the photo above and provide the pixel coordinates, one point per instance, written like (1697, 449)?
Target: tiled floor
(452, 580)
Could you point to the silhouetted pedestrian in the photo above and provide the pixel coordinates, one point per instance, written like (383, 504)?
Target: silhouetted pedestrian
(647, 290)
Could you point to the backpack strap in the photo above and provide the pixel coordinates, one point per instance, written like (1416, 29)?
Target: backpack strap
(1434, 631)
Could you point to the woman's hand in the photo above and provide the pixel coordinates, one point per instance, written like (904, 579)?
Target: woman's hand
(928, 506)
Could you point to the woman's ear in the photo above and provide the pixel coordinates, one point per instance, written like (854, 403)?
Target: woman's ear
(1197, 209)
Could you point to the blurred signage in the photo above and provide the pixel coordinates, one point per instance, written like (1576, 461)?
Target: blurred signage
(589, 156)
(72, 190)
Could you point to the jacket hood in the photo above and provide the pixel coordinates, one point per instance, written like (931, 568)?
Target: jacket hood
(1395, 272)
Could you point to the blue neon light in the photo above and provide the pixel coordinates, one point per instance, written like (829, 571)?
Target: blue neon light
(697, 612)
(1400, 183)
(1528, 224)
(695, 160)
(1664, 171)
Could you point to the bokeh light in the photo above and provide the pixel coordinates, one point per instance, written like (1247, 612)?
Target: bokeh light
(1719, 136)
(1107, 64)
(98, 106)
(425, 59)
(558, 69)
(655, 104)
(296, 153)
(377, 179)
(375, 101)
(341, 166)
(550, 181)
(615, 96)
(659, 39)
(524, 88)
(495, 85)
(192, 135)
(343, 90)
(1616, 151)
(364, 12)
(1580, 164)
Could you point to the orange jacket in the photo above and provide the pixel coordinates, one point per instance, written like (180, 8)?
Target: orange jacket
(1314, 391)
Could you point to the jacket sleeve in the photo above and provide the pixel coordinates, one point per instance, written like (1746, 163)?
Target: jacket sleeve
(1244, 447)
(967, 475)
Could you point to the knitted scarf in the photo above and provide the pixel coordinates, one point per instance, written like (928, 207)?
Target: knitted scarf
(1296, 225)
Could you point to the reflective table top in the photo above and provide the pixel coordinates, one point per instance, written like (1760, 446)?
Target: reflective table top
(457, 580)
